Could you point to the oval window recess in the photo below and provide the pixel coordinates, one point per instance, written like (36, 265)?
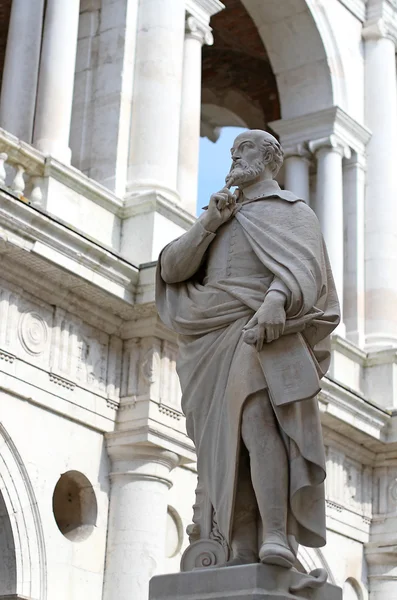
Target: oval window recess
(75, 507)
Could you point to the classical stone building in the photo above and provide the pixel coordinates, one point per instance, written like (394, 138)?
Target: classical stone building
(101, 107)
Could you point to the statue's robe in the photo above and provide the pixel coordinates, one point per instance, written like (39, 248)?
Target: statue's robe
(208, 287)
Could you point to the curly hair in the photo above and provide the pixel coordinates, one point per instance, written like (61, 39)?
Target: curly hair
(273, 154)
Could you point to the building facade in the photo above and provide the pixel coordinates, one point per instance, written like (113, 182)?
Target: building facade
(101, 110)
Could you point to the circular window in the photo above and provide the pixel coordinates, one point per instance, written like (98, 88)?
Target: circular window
(75, 506)
(174, 537)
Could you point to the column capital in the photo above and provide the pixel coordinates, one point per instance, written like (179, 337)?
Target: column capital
(381, 20)
(381, 553)
(333, 121)
(140, 460)
(332, 143)
(356, 161)
(197, 30)
(298, 150)
(378, 29)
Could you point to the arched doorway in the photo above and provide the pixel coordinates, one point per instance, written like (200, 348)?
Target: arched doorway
(8, 565)
(22, 549)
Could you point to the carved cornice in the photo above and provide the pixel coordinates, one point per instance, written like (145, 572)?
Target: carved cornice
(356, 7)
(203, 10)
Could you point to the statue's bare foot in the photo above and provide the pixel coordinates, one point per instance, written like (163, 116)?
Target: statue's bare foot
(276, 551)
(242, 558)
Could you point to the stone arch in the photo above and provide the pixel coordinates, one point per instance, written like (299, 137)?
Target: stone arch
(354, 590)
(24, 534)
(302, 52)
(8, 566)
(313, 558)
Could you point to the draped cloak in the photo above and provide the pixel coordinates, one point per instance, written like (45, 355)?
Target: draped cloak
(218, 371)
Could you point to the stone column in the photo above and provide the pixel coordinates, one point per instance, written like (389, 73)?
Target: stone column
(380, 551)
(21, 67)
(354, 286)
(153, 157)
(381, 187)
(329, 205)
(56, 79)
(137, 518)
(189, 135)
(296, 165)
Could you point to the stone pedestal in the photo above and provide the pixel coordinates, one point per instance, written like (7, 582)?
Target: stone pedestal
(253, 582)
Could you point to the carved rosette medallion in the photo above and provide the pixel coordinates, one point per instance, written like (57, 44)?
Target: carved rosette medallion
(32, 332)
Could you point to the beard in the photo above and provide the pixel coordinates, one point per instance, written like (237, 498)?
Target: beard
(243, 172)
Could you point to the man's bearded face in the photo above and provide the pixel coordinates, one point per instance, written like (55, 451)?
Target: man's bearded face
(243, 172)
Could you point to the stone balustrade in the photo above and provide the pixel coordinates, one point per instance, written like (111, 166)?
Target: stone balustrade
(21, 169)
(61, 190)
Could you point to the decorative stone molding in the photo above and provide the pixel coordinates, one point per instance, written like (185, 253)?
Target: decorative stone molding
(170, 412)
(65, 383)
(356, 7)
(149, 372)
(33, 332)
(6, 356)
(203, 10)
(196, 30)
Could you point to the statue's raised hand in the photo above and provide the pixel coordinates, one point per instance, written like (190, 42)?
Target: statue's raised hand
(268, 322)
(220, 209)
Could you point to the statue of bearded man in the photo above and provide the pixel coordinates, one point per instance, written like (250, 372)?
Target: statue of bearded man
(250, 293)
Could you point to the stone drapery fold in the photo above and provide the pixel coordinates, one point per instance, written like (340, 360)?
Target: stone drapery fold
(218, 371)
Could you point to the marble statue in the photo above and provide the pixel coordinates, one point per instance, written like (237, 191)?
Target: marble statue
(249, 291)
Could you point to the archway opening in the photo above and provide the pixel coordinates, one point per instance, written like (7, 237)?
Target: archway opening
(239, 91)
(236, 73)
(8, 567)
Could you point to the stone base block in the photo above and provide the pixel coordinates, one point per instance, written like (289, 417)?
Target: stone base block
(251, 582)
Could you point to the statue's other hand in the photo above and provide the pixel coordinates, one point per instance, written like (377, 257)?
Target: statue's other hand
(269, 320)
(220, 209)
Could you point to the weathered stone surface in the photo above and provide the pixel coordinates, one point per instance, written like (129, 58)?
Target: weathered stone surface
(256, 582)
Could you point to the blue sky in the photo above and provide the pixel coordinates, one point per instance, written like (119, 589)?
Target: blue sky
(214, 164)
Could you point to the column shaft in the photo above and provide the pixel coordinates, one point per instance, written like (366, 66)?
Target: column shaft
(137, 519)
(189, 134)
(297, 175)
(56, 80)
(354, 283)
(329, 207)
(21, 67)
(381, 191)
(153, 159)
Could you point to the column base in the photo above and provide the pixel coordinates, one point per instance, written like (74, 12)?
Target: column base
(54, 149)
(256, 582)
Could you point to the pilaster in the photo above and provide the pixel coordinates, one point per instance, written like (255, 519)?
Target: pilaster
(380, 37)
